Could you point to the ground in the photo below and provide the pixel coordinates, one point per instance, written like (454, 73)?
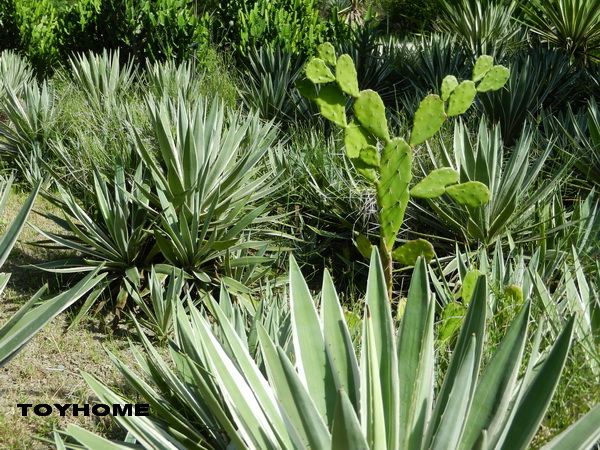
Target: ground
(48, 369)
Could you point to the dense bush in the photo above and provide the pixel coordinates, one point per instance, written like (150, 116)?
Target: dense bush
(293, 25)
(404, 16)
(9, 30)
(143, 29)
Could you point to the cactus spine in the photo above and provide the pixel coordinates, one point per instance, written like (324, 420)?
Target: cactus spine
(390, 170)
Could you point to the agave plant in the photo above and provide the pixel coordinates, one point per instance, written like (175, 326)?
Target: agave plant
(558, 289)
(30, 126)
(314, 391)
(113, 236)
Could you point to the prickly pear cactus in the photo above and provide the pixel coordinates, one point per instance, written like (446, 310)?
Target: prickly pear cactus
(448, 85)
(332, 104)
(408, 253)
(392, 189)
(494, 79)
(326, 52)
(355, 138)
(345, 75)
(386, 162)
(461, 98)
(370, 112)
(318, 72)
(434, 184)
(471, 193)
(482, 66)
(428, 119)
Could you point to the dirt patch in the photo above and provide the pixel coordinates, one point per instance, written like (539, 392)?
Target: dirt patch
(48, 370)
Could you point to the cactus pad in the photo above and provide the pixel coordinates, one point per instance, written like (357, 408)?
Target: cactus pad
(515, 294)
(355, 138)
(468, 285)
(482, 66)
(370, 112)
(307, 89)
(471, 193)
(428, 119)
(364, 245)
(345, 75)
(366, 170)
(408, 253)
(395, 172)
(434, 184)
(494, 79)
(318, 72)
(327, 53)
(369, 156)
(462, 98)
(332, 104)
(448, 85)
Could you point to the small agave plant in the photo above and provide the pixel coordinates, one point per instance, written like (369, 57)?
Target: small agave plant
(313, 391)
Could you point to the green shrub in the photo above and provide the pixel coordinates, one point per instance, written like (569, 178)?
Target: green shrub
(38, 30)
(169, 29)
(9, 30)
(293, 25)
(409, 15)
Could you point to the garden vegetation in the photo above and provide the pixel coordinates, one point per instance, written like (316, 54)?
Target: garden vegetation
(323, 223)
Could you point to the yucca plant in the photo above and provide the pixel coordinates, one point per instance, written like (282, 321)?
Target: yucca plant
(270, 76)
(539, 78)
(427, 61)
(484, 27)
(169, 79)
(207, 183)
(572, 25)
(317, 392)
(583, 143)
(15, 73)
(102, 78)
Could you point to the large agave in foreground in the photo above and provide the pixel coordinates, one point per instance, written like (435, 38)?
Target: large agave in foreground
(313, 392)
